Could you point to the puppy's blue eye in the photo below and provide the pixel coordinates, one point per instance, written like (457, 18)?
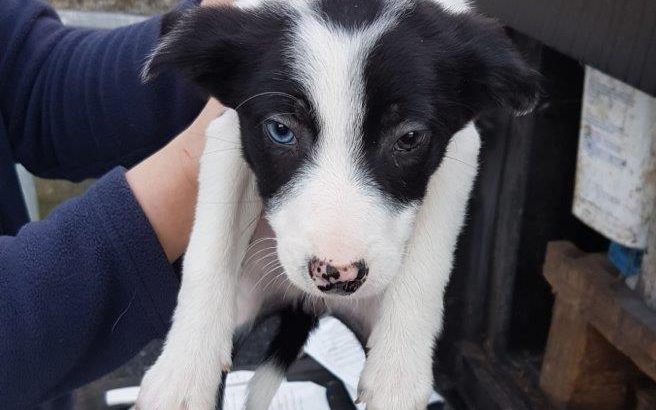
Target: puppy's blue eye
(280, 133)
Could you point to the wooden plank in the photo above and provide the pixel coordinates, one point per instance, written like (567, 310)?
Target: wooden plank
(588, 282)
(488, 384)
(647, 282)
(564, 351)
(581, 370)
(645, 398)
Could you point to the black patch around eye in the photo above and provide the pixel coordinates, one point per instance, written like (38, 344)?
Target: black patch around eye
(277, 164)
(411, 141)
(399, 89)
(442, 69)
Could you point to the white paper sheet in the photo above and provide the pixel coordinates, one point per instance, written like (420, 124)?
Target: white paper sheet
(122, 397)
(616, 161)
(337, 349)
(290, 396)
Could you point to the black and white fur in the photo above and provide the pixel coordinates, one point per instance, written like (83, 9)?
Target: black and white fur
(359, 217)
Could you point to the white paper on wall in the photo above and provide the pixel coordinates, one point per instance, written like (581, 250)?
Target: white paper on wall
(616, 169)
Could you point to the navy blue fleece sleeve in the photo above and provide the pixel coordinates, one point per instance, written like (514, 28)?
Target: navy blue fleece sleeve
(85, 289)
(80, 293)
(72, 98)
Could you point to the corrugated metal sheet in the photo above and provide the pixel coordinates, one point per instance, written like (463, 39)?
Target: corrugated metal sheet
(614, 36)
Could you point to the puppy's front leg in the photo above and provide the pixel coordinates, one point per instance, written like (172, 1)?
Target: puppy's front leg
(199, 345)
(398, 371)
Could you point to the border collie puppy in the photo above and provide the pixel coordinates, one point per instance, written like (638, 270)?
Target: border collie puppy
(337, 184)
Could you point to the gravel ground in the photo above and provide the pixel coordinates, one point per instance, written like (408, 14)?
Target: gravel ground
(145, 7)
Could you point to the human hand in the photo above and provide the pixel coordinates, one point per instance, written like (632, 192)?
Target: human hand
(166, 183)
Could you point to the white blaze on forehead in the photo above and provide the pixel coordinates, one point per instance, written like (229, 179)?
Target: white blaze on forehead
(330, 62)
(455, 6)
(333, 209)
(250, 4)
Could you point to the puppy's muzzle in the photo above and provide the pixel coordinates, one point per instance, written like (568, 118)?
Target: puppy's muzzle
(337, 280)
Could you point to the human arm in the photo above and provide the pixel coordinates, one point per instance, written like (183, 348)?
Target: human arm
(80, 293)
(169, 203)
(85, 289)
(72, 98)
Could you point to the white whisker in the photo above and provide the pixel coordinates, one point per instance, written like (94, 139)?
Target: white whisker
(257, 242)
(278, 93)
(275, 278)
(270, 248)
(259, 281)
(460, 161)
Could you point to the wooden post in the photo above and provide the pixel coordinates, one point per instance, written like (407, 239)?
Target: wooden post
(581, 370)
(645, 398)
(647, 282)
(602, 338)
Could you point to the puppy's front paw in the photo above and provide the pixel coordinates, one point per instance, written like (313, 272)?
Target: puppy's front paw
(389, 384)
(179, 386)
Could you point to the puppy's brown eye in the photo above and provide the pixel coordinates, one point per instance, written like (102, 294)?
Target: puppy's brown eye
(410, 141)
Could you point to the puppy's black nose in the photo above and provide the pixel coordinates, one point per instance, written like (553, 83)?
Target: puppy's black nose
(337, 280)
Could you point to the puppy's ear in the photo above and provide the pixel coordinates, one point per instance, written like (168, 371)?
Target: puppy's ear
(496, 74)
(215, 47)
(169, 20)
